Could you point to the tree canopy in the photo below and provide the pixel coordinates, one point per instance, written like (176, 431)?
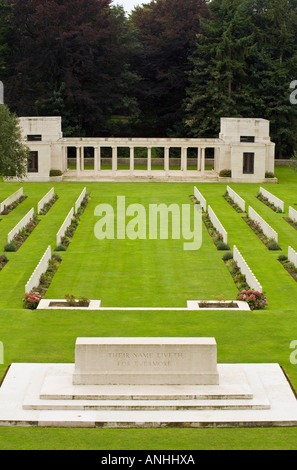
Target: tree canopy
(171, 68)
(13, 154)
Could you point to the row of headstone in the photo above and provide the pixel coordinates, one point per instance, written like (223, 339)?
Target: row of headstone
(39, 270)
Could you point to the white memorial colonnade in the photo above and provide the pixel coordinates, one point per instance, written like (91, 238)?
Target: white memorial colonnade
(145, 146)
(243, 147)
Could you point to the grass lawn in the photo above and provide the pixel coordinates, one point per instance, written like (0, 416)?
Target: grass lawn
(148, 273)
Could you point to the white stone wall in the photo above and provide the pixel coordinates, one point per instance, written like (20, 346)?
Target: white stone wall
(246, 271)
(273, 199)
(292, 256)
(293, 214)
(64, 226)
(236, 198)
(267, 230)
(200, 198)
(21, 224)
(233, 128)
(217, 224)
(49, 127)
(38, 271)
(237, 151)
(45, 199)
(10, 199)
(44, 161)
(80, 199)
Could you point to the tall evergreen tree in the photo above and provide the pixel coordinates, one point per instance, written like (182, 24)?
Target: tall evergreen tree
(219, 68)
(243, 66)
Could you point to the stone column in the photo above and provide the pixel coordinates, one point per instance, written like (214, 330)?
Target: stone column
(149, 160)
(77, 150)
(96, 159)
(166, 160)
(82, 158)
(199, 159)
(64, 157)
(202, 161)
(184, 158)
(131, 160)
(114, 159)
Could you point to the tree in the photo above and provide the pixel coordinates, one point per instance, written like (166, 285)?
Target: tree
(167, 32)
(5, 13)
(65, 57)
(241, 68)
(13, 154)
(219, 68)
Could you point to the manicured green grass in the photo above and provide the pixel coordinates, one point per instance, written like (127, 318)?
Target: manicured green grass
(148, 273)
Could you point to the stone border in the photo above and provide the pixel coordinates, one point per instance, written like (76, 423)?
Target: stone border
(194, 305)
(191, 305)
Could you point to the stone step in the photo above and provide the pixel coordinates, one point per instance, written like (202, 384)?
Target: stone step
(20, 402)
(61, 388)
(146, 405)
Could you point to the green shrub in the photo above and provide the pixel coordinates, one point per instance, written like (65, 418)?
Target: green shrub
(60, 248)
(282, 257)
(57, 257)
(228, 255)
(11, 246)
(268, 174)
(70, 299)
(83, 302)
(273, 245)
(55, 173)
(222, 246)
(225, 174)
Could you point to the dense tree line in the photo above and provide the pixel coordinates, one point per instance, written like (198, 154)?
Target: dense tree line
(172, 68)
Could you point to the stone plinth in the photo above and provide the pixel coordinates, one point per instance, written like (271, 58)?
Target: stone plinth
(145, 361)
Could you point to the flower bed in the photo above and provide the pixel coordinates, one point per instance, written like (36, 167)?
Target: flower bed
(13, 205)
(215, 235)
(256, 300)
(270, 243)
(232, 203)
(291, 222)
(70, 302)
(32, 299)
(22, 236)
(48, 205)
(233, 268)
(268, 203)
(289, 266)
(3, 261)
(223, 305)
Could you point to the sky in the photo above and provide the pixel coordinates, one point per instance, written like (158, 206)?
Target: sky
(129, 4)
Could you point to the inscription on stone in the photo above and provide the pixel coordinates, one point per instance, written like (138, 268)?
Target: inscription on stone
(145, 361)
